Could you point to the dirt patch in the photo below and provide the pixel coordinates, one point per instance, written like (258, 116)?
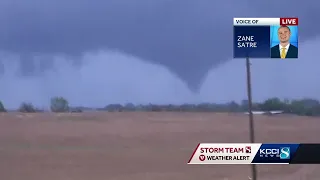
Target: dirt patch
(150, 146)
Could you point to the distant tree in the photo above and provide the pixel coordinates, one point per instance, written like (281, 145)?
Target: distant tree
(256, 107)
(76, 109)
(305, 107)
(155, 108)
(186, 107)
(309, 103)
(233, 106)
(139, 108)
(27, 108)
(59, 104)
(2, 108)
(286, 101)
(129, 107)
(244, 105)
(272, 104)
(147, 107)
(205, 107)
(171, 108)
(114, 107)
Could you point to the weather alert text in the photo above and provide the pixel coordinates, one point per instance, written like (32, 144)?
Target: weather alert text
(223, 154)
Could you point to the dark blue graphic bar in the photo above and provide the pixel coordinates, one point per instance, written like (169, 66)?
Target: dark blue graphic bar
(275, 153)
(251, 41)
(307, 154)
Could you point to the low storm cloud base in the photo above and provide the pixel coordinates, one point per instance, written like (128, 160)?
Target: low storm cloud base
(112, 77)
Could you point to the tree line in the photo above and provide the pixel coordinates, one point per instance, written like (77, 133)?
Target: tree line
(303, 107)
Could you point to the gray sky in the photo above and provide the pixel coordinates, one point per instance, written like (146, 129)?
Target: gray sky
(190, 38)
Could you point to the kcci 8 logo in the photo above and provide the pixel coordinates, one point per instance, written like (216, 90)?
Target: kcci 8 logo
(282, 152)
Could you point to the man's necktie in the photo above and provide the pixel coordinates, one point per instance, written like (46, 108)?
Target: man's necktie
(283, 53)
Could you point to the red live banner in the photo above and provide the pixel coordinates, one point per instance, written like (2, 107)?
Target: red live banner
(289, 21)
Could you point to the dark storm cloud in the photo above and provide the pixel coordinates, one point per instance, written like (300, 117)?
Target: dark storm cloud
(187, 36)
(112, 77)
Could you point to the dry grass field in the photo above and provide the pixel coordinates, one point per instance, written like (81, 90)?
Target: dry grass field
(140, 146)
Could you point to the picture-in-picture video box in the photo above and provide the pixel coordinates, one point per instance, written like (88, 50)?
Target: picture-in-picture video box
(265, 38)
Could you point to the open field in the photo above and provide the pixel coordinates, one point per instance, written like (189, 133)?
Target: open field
(140, 146)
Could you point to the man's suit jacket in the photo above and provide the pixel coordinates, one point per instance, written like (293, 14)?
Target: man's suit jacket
(292, 52)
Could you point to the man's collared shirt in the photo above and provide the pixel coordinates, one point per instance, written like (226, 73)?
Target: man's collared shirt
(286, 47)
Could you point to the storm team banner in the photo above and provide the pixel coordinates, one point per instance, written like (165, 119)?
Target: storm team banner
(265, 37)
(256, 153)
